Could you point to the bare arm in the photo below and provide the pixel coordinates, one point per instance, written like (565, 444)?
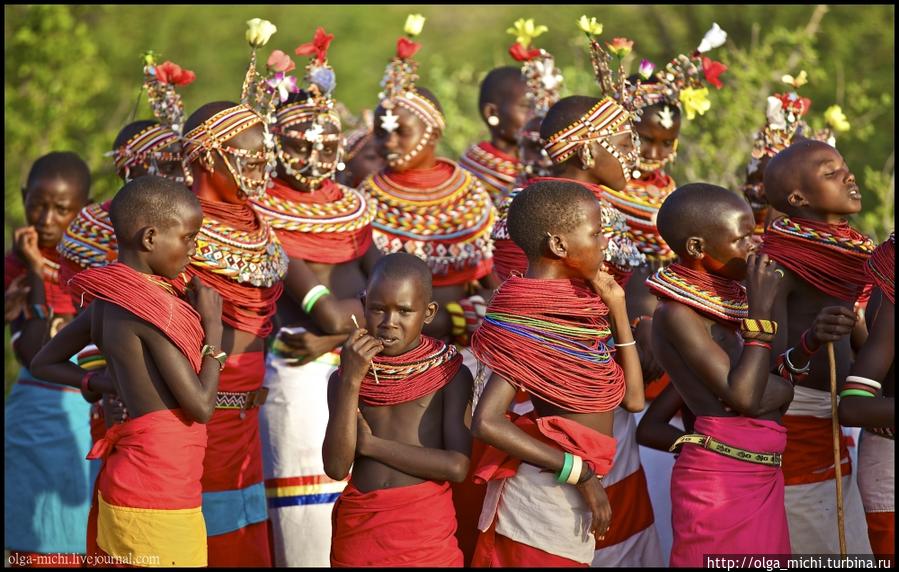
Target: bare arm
(372, 255)
(52, 363)
(654, 430)
(874, 361)
(447, 464)
(339, 449)
(329, 313)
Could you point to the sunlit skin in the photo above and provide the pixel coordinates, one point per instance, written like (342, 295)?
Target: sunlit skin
(512, 112)
(51, 203)
(657, 142)
(394, 145)
(404, 444)
(819, 186)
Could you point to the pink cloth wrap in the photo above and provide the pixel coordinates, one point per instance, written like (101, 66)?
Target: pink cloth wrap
(721, 505)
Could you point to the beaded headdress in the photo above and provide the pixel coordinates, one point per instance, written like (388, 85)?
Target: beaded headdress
(318, 109)
(544, 79)
(359, 137)
(784, 114)
(398, 84)
(682, 83)
(259, 95)
(147, 147)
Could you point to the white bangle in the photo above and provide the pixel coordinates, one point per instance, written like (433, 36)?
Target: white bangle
(576, 466)
(624, 345)
(863, 381)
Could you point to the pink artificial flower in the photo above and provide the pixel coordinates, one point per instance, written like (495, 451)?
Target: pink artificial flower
(280, 62)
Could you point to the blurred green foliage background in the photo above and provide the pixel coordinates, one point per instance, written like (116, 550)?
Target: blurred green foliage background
(73, 74)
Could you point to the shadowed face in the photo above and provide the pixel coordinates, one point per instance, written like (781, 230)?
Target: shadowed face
(51, 203)
(657, 142)
(729, 242)
(365, 162)
(610, 171)
(586, 242)
(309, 150)
(512, 112)
(395, 312)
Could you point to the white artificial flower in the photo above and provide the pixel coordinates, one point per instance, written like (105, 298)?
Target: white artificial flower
(775, 113)
(713, 38)
(389, 121)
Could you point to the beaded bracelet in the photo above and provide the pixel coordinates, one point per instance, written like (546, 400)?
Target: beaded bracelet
(753, 325)
(313, 296)
(803, 343)
(567, 464)
(636, 321)
(866, 381)
(457, 317)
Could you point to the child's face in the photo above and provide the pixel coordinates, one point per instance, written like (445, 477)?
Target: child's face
(176, 243)
(827, 183)
(512, 113)
(396, 311)
(586, 242)
(315, 158)
(407, 146)
(730, 244)
(51, 203)
(657, 142)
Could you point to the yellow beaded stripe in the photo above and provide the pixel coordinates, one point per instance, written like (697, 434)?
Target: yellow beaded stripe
(224, 125)
(89, 240)
(682, 290)
(350, 212)
(152, 139)
(759, 326)
(496, 173)
(601, 121)
(257, 258)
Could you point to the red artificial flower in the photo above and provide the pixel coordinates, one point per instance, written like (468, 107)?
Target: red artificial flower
(791, 101)
(318, 45)
(171, 73)
(406, 48)
(712, 70)
(522, 54)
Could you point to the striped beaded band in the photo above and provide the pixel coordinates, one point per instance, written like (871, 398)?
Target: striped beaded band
(140, 147)
(600, 122)
(221, 127)
(355, 141)
(300, 112)
(422, 108)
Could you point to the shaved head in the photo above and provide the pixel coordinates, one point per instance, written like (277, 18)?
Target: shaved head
(404, 266)
(64, 165)
(695, 209)
(501, 84)
(783, 174)
(149, 201)
(553, 207)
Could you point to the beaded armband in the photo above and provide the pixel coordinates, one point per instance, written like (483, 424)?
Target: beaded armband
(474, 309)
(457, 317)
(762, 330)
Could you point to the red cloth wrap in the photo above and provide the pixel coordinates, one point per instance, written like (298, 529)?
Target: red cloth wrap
(881, 268)
(125, 287)
(402, 526)
(56, 295)
(152, 461)
(247, 547)
(837, 271)
(596, 449)
(323, 247)
(234, 454)
(497, 551)
(808, 457)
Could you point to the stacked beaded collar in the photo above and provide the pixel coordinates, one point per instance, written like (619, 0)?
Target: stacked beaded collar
(89, 240)
(254, 257)
(830, 257)
(881, 267)
(447, 226)
(350, 211)
(496, 170)
(720, 299)
(640, 205)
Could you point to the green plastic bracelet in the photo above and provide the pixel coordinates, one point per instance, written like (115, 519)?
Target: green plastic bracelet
(313, 296)
(566, 468)
(855, 392)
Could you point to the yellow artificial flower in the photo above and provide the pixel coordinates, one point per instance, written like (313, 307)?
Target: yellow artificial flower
(414, 24)
(695, 101)
(798, 81)
(835, 118)
(590, 26)
(259, 31)
(525, 31)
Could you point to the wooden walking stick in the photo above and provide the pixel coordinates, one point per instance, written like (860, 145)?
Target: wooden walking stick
(837, 434)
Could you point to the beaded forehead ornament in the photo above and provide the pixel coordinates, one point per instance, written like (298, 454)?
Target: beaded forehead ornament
(398, 84)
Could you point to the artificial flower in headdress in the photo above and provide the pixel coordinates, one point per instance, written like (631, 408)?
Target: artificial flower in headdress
(315, 109)
(398, 88)
(544, 79)
(609, 117)
(148, 147)
(784, 114)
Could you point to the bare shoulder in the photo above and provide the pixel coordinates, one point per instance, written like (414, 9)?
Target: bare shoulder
(671, 315)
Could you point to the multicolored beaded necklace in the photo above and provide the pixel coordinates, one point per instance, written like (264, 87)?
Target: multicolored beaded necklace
(718, 298)
(411, 375)
(640, 205)
(496, 170)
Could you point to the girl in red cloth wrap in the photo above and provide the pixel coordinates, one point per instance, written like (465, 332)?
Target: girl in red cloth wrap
(399, 408)
(825, 281)
(548, 333)
(325, 228)
(239, 255)
(727, 493)
(147, 508)
(46, 436)
(868, 401)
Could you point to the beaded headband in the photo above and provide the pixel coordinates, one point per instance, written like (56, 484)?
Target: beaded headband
(160, 82)
(221, 127)
(142, 146)
(398, 83)
(599, 123)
